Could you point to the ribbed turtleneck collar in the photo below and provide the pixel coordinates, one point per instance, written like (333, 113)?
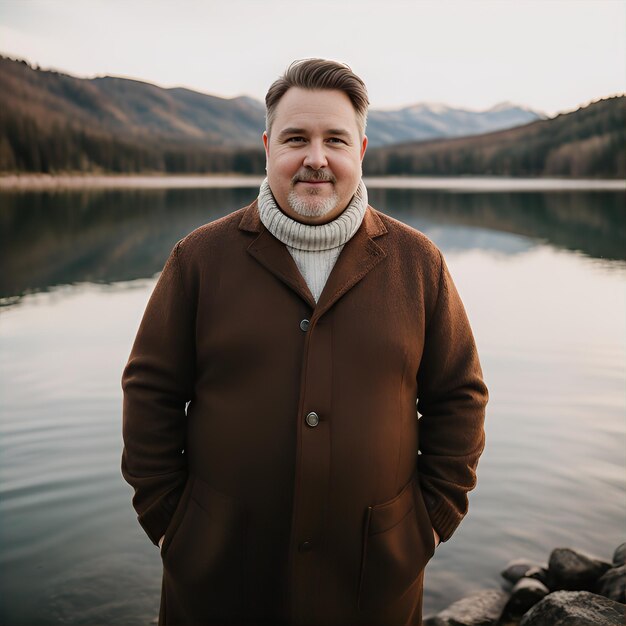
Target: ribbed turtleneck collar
(307, 236)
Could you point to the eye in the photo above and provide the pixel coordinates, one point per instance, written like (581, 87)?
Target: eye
(295, 139)
(335, 140)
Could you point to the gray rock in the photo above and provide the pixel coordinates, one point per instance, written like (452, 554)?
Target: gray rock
(575, 608)
(574, 571)
(526, 593)
(516, 569)
(479, 609)
(612, 584)
(538, 573)
(619, 557)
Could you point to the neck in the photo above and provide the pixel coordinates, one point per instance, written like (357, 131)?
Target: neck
(302, 236)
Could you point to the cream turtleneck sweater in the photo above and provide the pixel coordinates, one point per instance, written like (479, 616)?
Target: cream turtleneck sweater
(315, 249)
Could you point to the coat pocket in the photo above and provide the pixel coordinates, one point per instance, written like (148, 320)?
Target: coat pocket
(177, 516)
(206, 550)
(398, 542)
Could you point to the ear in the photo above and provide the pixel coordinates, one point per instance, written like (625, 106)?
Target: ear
(266, 143)
(363, 146)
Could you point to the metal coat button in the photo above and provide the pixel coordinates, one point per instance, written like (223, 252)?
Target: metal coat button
(312, 419)
(305, 546)
(304, 325)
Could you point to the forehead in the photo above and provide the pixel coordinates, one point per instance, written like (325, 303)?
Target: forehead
(315, 109)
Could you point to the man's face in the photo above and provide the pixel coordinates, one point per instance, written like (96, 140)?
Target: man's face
(314, 154)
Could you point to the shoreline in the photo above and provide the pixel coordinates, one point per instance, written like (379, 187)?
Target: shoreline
(62, 182)
(573, 587)
(36, 182)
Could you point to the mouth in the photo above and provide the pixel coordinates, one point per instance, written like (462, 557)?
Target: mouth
(314, 178)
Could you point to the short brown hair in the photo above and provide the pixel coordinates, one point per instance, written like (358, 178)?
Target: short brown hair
(319, 74)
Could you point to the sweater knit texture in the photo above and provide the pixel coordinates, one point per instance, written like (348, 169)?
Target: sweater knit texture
(314, 248)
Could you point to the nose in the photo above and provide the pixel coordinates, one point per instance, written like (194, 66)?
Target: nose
(315, 156)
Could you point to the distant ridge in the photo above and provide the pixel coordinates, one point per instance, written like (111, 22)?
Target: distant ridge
(589, 142)
(122, 106)
(432, 120)
(55, 123)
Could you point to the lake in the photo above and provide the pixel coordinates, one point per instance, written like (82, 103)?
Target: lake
(541, 270)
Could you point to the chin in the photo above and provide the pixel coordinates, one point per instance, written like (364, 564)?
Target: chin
(312, 206)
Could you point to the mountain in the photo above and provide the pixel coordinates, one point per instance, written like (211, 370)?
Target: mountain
(589, 142)
(432, 120)
(124, 107)
(51, 121)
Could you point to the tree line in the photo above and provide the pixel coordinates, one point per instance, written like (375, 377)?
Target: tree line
(25, 147)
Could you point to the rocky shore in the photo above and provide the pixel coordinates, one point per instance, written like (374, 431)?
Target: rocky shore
(573, 589)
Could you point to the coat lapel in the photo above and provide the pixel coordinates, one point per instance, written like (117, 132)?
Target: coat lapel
(360, 255)
(273, 255)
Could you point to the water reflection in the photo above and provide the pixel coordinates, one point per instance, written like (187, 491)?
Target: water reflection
(591, 222)
(57, 238)
(52, 238)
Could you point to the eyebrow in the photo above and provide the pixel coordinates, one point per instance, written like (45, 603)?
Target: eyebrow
(302, 131)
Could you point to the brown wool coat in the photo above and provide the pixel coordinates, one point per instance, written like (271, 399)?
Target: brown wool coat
(270, 516)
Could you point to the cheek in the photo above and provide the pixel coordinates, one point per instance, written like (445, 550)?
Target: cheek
(286, 164)
(348, 168)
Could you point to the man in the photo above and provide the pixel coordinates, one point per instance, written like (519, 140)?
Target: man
(270, 421)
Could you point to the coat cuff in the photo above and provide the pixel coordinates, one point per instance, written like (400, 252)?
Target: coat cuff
(443, 518)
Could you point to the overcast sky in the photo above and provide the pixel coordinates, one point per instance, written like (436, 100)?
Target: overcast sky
(551, 55)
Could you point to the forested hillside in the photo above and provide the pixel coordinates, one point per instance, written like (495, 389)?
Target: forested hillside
(589, 142)
(55, 123)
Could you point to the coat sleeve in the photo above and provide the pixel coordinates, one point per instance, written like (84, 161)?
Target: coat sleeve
(157, 382)
(451, 401)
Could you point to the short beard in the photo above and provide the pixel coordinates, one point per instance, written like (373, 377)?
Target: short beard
(312, 206)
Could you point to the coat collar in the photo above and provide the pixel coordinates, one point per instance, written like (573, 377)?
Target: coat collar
(357, 258)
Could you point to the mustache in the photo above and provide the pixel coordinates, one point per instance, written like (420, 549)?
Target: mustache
(313, 176)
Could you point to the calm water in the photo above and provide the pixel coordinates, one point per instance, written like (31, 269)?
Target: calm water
(542, 277)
